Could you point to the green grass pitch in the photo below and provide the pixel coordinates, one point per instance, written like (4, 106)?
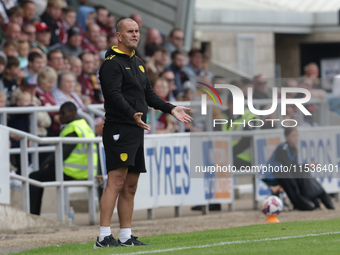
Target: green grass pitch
(300, 237)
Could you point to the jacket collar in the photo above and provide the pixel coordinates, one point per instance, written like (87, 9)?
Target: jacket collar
(115, 49)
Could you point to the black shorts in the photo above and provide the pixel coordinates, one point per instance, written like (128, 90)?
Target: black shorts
(124, 146)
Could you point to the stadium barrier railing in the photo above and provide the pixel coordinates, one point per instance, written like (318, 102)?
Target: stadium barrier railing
(59, 183)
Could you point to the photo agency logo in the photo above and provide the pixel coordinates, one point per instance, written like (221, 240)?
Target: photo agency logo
(238, 104)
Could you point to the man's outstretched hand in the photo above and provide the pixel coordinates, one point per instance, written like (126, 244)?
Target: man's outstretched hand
(179, 113)
(138, 118)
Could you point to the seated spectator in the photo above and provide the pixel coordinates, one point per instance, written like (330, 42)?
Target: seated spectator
(77, 89)
(85, 17)
(260, 87)
(15, 15)
(23, 50)
(111, 24)
(88, 80)
(170, 78)
(102, 43)
(308, 83)
(153, 36)
(30, 31)
(154, 51)
(102, 18)
(194, 68)
(28, 84)
(20, 121)
(43, 37)
(29, 17)
(91, 37)
(76, 66)
(68, 20)
(46, 79)
(138, 18)
(72, 47)
(312, 72)
(245, 84)
(8, 4)
(112, 40)
(11, 74)
(3, 99)
(165, 122)
(55, 60)
(75, 164)
(13, 31)
(177, 63)
(50, 17)
(65, 91)
(3, 60)
(175, 40)
(66, 63)
(77, 4)
(11, 48)
(35, 64)
(163, 61)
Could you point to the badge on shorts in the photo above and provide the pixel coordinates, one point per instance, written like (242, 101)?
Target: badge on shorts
(123, 156)
(141, 68)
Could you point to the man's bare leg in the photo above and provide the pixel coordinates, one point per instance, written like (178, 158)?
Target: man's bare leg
(126, 200)
(114, 186)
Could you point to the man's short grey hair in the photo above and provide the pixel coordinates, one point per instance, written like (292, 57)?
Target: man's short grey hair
(121, 22)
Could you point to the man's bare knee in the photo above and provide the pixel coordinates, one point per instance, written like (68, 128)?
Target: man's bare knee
(116, 179)
(130, 188)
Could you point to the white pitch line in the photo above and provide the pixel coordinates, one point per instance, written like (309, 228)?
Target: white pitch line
(228, 243)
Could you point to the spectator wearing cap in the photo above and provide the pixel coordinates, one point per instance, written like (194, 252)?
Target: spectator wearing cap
(35, 64)
(91, 38)
(88, 81)
(29, 17)
(194, 68)
(29, 84)
(72, 47)
(43, 37)
(102, 18)
(50, 17)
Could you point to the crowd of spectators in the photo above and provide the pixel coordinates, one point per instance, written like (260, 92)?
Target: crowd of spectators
(51, 52)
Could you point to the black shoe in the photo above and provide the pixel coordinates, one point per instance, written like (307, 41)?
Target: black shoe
(197, 208)
(108, 241)
(132, 242)
(214, 207)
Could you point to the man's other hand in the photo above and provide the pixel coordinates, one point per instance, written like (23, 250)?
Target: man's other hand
(138, 118)
(179, 113)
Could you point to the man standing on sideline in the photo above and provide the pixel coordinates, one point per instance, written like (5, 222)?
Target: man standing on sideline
(128, 93)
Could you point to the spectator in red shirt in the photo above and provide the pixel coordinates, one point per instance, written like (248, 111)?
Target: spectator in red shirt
(88, 81)
(91, 38)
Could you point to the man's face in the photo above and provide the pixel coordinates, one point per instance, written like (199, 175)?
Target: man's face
(76, 66)
(177, 38)
(129, 36)
(56, 61)
(10, 51)
(13, 71)
(2, 101)
(44, 37)
(313, 71)
(30, 33)
(37, 64)
(170, 78)
(16, 19)
(54, 11)
(66, 116)
(196, 59)
(14, 32)
(29, 10)
(179, 61)
(93, 33)
(261, 84)
(75, 40)
(102, 16)
(88, 64)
